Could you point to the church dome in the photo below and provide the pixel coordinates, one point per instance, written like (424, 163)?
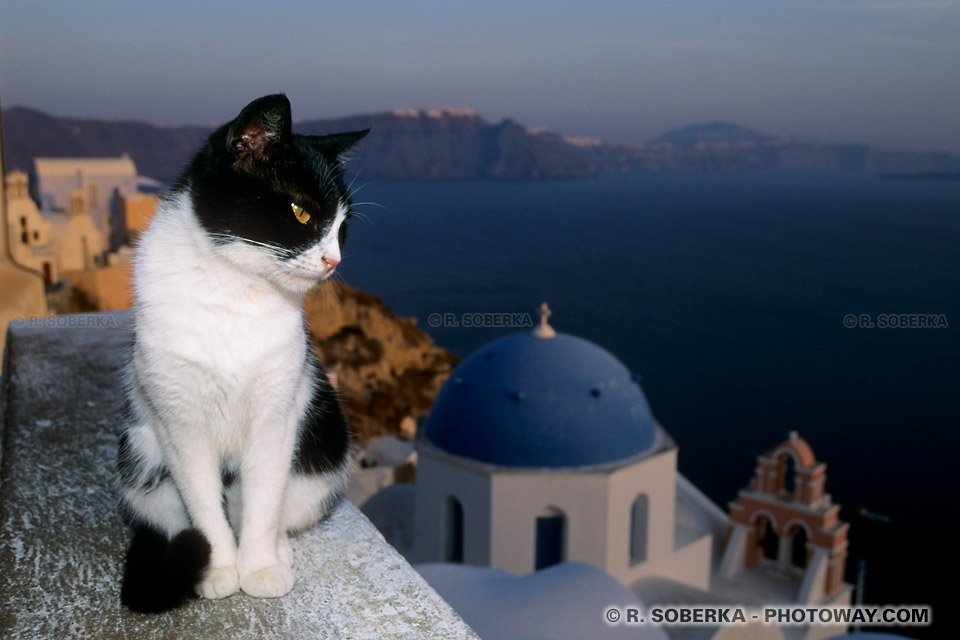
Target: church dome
(541, 399)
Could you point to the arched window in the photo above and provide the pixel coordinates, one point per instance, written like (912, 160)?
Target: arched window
(789, 466)
(638, 529)
(551, 524)
(453, 549)
(798, 548)
(768, 539)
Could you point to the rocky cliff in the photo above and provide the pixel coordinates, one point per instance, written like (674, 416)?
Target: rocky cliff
(446, 143)
(386, 369)
(721, 146)
(451, 144)
(456, 143)
(159, 151)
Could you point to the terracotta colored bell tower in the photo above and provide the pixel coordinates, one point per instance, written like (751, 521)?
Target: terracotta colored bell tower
(785, 517)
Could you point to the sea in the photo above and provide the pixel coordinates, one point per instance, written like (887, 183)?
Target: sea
(751, 305)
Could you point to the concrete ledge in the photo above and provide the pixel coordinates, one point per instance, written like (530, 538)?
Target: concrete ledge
(63, 542)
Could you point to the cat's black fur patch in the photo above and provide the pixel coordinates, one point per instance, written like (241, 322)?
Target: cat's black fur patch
(160, 573)
(325, 437)
(249, 172)
(126, 460)
(241, 184)
(128, 467)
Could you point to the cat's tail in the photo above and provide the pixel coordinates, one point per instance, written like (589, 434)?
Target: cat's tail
(160, 573)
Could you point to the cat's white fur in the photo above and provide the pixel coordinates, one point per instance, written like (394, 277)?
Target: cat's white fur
(220, 372)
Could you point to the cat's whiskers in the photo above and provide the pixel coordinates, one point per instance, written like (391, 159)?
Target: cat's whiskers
(354, 212)
(329, 288)
(361, 216)
(334, 287)
(350, 190)
(327, 177)
(278, 251)
(369, 203)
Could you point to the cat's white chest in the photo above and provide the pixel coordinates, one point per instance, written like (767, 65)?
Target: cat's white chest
(212, 334)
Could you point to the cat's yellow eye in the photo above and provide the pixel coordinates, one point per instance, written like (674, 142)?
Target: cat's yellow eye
(302, 216)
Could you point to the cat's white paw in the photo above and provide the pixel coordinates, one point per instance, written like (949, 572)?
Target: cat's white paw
(271, 582)
(220, 582)
(285, 551)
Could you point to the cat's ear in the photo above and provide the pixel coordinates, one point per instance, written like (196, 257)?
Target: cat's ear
(263, 124)
(338, 145)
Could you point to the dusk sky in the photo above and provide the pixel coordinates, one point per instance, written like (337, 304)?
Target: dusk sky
(884, 72)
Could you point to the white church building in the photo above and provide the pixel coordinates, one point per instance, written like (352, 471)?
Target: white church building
(541, 449)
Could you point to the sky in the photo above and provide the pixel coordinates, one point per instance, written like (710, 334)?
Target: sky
(882, 72)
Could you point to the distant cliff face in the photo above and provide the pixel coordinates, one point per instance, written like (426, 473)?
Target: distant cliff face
(456, 144)
(452, 144)
(721, 146)
(158, 151)
(445, 144)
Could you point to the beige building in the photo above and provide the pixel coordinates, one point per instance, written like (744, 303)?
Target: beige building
(110, 285)
(80, 244)
(68, 244)
(52, 244)
(22, 293)
(102, 181)
(541, 449)
(135, 211)
(31, 237)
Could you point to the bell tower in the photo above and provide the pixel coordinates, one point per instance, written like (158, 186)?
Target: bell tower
(786, 522)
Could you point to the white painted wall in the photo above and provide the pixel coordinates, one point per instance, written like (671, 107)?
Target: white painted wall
(439, 476)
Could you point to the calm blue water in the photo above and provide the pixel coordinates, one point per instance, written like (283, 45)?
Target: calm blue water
(727, 293)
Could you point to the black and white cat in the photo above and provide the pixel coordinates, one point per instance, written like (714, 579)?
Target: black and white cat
(234, 437)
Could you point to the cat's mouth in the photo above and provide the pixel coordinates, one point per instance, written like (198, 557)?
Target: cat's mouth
(311, 276)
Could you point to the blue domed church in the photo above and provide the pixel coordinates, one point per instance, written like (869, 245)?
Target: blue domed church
(541, 452)
(540, 449)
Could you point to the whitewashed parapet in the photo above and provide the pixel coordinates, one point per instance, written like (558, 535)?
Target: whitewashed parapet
(62, 540)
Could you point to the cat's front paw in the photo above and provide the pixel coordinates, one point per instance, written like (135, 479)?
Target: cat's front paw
(271, 582)
(220, 582)
(285, 551)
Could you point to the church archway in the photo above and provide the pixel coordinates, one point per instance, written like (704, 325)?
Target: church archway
(798, 545)
(639, 525)
(767, 538)
(788, 467)
(550, 537)
(453, 547)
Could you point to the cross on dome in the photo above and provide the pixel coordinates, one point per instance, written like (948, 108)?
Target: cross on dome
(544, 330)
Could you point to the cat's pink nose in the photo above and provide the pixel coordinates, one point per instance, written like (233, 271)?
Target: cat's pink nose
(331, 262)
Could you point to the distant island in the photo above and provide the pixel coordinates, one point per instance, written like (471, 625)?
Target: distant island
(457, 143)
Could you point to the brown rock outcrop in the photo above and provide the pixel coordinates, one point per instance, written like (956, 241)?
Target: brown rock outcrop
(385, 367)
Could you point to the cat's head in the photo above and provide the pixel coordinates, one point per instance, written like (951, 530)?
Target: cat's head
(272, 202)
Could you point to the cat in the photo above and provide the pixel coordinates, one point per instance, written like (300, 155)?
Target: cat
(234, 437)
